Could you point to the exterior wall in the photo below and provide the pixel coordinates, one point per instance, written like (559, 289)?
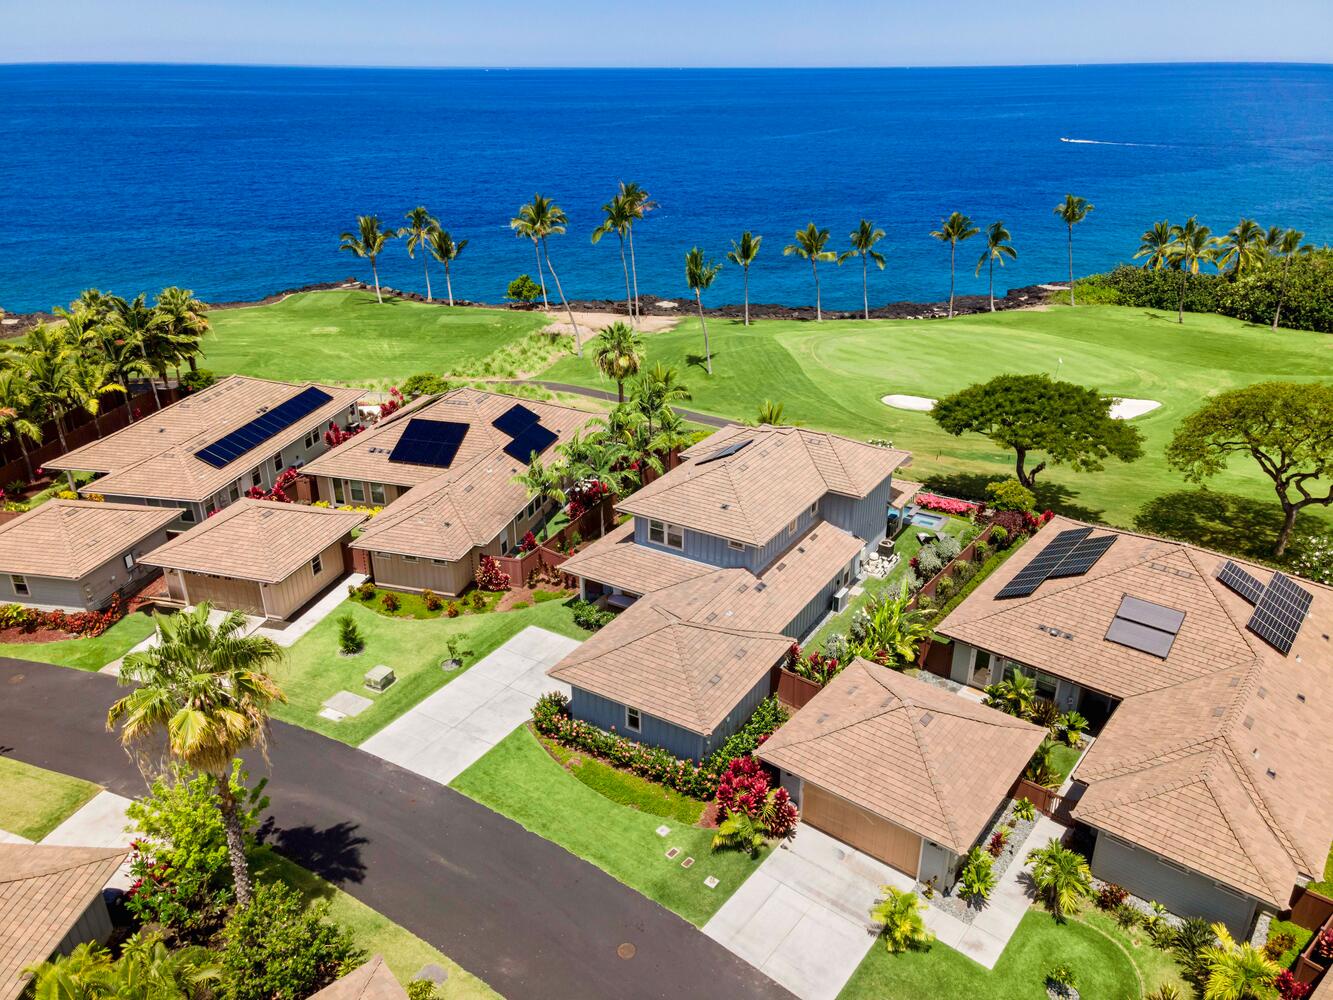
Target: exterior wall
(964, 661)
(1183, 892)
(44, 592)
(405, 573)
(92, 591)
(715, 551)
(326, 492)
(93, 925)
(813, 613)
(939, 863)
(866, 518)
(281, 599)
(198, 511)
(222, 592)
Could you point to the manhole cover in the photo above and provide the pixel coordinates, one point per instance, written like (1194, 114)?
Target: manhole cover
(626, 950)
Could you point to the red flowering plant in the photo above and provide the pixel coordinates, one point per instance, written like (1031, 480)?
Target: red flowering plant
(336, 435)
(84, 623)
(285, 481)
(490, 576)
(529, 542)
(393, 404)
(1323, 946)
(583, 496)
(946, 505)
(744, 788)
(1291, 988)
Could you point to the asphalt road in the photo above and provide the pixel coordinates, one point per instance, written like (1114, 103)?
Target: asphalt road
(516, 910)
(582, 390)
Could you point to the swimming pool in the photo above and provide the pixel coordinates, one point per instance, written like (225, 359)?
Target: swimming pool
(925, 519)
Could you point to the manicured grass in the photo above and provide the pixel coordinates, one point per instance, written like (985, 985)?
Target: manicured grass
(92, 653)
(347, 337)
(520, 779)
(1099, 955)
(1300, 938)
(314, 669)
(832, 375)
(404, 952)
(414, 606)
(626, 789)
(1063, 759)
(34, 801)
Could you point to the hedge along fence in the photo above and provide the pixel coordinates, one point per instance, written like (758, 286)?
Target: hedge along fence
(547, 553)
(967, 554)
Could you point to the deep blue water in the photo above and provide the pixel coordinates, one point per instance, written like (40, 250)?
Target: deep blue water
(237, 181)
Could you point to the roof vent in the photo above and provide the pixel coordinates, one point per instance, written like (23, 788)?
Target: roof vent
(740, 654)
(1300, 697)
(814, 537)
(715, 679)
(1217, 712)
(1263, 692)
(760, 586)
(926, 718)
(725, 506)
(823, 717)
(1249, 722)
(800, 549)
(781, 566)
(711, 616)
(1271, 773)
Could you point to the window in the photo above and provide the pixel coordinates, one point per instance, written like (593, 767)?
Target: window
(20, 585)
(791, 528)
(814, 508)
(128, 560)
(657, 532)
(187, 513)
(317, 565)
(256, 478)
(409, 558)
(738, 546)
(277, 462)
(675, 537)
(633, 721)
(357, 491)
(234, 493)
(377, 493)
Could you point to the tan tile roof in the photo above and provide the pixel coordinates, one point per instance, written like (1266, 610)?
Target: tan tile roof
(43, 893)
(68, 538)
(371, 981)
(912, 753)
(261, 540)
(615, 560)
(366, 456)
(904, 490)
(155, 456)
(753, 494)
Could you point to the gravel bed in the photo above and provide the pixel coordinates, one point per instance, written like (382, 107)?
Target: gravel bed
(1015, 847)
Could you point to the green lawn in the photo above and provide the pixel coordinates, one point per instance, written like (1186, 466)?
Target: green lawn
(404, 952)
(520, 779)
(627, 789)
(1064, 758)
(313, 669)
(34, 801)
(87, 653)
(1108, 964)
(347, 337)
(832, 375)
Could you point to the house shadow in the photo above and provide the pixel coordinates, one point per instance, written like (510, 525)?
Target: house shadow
(333, 853)
(1050, 496)
(1224, 522)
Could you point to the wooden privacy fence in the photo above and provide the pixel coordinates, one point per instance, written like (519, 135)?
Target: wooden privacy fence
(795, 690)
(1048, 801)
(1310, 909)
(968, 554)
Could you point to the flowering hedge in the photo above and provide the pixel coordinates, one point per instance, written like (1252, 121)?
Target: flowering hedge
(83, 623)
(584, 496)
(490, 576)
(946, 505)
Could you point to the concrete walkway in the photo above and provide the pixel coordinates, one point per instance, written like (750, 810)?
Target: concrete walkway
(100, 822)
(443, 736)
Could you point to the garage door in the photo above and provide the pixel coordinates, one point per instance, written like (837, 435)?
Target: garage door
(225, 593)
(863, 830)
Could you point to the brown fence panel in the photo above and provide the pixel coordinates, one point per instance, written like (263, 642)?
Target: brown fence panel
(1047, 800)
(936, 657)
(1311, 910)
(795, 690)
(968, 553)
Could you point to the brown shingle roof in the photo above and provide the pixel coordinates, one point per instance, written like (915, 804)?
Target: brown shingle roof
(43, 893)
(751, 495)
(615, 560)
(910, 752)
(371, 981)
(904, 490)
(69, 538)
(155, 456)
(261, 540)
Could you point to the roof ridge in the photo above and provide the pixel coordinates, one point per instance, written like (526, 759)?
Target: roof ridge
(1206, 775)
(1252, 641)
(927, 758)
(1256, 795)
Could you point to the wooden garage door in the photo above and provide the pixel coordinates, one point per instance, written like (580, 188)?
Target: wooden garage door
(223, 592)
(863, 830)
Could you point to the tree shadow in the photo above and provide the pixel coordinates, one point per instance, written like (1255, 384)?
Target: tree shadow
(334, 853)
(1050, 496)
(699, 361)
(1222, 521)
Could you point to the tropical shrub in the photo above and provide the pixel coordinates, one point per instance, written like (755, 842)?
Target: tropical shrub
(1126, 916)
(738, 832)
(902, 926)
(1061, 877)
(1061, 981)
(947, 547)
(1110, 895)
(946, 588)
(423, 384)
(1167, 991)
(945, 505)
(763, 722)
(743, 787)
(1192, 941)
(1313, 558)
(490, 576)
(977, 878)
(431, 600)
(529, 542)
(1307, 303)
(196, 380)
(815, 667)
(1157, 926)
(1071, 726)
(84, 623)
(422, 989)
(1041, 768)
(589, 616)
(1010, 494)
(145, 969)
(928, 561)
(452, 610)
(1290, 988)
(1323, 945)
(365, 591)
(475, 600)
(1025, 810)
(350, 640)
(523, 289)
(836, 646)
(390, 601)
(1044, 713)
(1236, 971)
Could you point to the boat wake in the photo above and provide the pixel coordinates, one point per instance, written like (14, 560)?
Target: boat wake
(1107, 142)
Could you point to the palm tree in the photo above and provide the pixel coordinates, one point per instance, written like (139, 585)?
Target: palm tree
(420, 225)
(1237, 971)
(899, 916)
(953, 230)
(183, 321)
(1061, 877)
(809, 245)
(864, 237)
(998, 248)
(619, 219)
(146, 968)
(91, 378)
(655, 390)
(132, 321)
(544, 483)
(770, 413)
(738, 832)
(1041, 768)
(525, 229)
(1072, 211)
(743, 253)
(1155, 244)
(16, 423)
(368, 242)
(670, 436)
(699, 274)
(543, 218)
(619, 353)
(640, 205)
(1286, 247)
(95, 302)
(1241, 246)
(203, 694)
(1191, 244)
(445, 249)
(47, 369)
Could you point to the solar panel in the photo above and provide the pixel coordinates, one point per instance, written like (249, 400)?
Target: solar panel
(1141, 637)
(1240, 582)
(1031, 575)
(1083, 558)
(515, 420)
(251, 435)
(1150, 614)
(535, 440)
(429, 442)
(725, 451)
(1280, 613)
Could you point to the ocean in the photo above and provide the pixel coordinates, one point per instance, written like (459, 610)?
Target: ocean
(236, 181)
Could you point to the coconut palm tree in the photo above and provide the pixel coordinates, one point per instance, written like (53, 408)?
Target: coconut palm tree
(525, 229)
(544, 483)
(1155, 244)
(655, 390)
(953, 230)
(445, 249)
(770, 413)
(810, 245)
(1237, 971)
(619, 219)
(998, 248)
(183, 321)
(864, 237)
(91, 378)
(743, 253)
(16, 406)
(901, 923)
(543, 218)
(669, 437)
(619, 353)
(1241, 247)
(640, 204)
(1072, 211)
(420, 225)
(1191, 245)
(47, 368)
(203, 695)
(368, 242)
(95, 302)
(132, 321)
(1286, 248)
(1061, 877)
(700, 271)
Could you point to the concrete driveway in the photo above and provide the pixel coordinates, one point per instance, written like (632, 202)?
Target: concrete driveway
(443, 736)
(803, 918)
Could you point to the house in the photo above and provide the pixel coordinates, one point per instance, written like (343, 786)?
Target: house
(373, 980)
(900, 768)
(50, 902)
(258, 556)
(1210, 682)
(75, 555)
(446, 468)
(205, 451)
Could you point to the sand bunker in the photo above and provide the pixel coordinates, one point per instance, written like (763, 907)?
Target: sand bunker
(1121, 409)
(898, 402)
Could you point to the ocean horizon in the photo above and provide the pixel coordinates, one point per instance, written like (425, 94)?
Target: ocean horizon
(236, 180)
